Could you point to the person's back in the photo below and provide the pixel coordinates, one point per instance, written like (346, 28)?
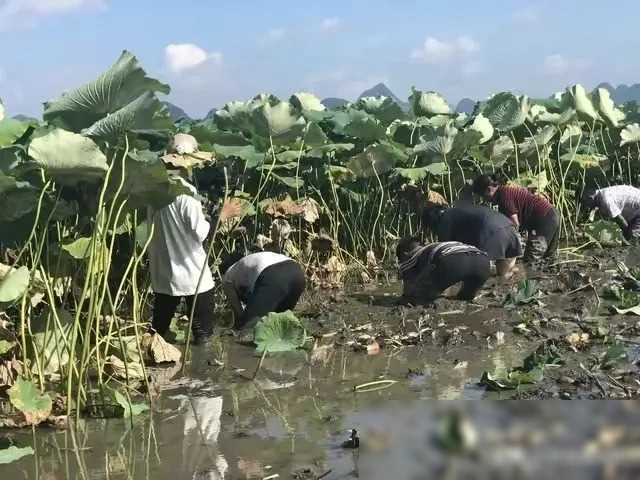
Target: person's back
(518, 200)
(244, 273)
(619, 200)
(470, 224)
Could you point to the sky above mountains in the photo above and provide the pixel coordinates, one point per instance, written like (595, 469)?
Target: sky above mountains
(214, 51)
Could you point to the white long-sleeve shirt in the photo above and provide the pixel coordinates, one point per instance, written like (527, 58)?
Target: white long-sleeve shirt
(176, 255)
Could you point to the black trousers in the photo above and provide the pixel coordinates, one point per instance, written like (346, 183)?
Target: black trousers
(277, 289)
(543, 237)
(472, 269)
(164, 308)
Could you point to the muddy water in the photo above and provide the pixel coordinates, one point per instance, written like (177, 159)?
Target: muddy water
(214, 422)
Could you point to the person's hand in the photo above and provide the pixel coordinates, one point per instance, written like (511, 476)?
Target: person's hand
(232, 208)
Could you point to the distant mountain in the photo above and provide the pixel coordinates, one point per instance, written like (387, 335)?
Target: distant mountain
(175, 112)
(466, 105)
(623, 93)
(381, 90)
(334, 102)
(24, 118)
(211, 113)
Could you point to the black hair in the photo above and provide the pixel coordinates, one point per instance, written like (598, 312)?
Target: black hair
(228, 260)
(431, 214)
(482, 182)
(405, 246)
(587, 200)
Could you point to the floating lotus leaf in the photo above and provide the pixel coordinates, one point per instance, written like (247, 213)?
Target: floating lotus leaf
(279, 332)
(68, 157)
(122, 84)
(306, 101)
(33, 404)
(14, 284)
(428, 103)
(506, 111)
(13, 453)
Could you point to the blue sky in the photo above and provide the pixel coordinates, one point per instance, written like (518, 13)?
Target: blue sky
(214, 51)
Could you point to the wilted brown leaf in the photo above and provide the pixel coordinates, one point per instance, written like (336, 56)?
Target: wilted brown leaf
(232, 208)
(158, 350)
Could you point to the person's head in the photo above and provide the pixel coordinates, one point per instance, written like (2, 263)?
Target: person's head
(431, 215)
(406, 247)
(588, 200)
(485, 186)
(228, 260)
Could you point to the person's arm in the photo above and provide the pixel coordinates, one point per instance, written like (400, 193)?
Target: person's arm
(194, 218)
(514, 218)
(234, 300)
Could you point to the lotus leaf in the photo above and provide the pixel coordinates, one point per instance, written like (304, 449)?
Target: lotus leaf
(511, 379)
(577, 98)
(248, 153)
(383, 108)
(13, 453)
(27, 398)
(501, 150)
(607, 109)
(363, 126)
(11, 130)
(605, 232)
(280, 121)
(14, 284)
(234, 116)
(506, 111)
(377, 159)
(630, 134)
(417, 174)
(130, 409)
(68, 157)
(123, 83)
(52, 344)
(279, 332)
(17, 198)
(6, 346)
(291, 182)
(428, 103)
(306, 101)
(482, 125)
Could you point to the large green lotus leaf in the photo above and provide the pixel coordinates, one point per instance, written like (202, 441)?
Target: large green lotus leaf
(315, 136)
(571, 135)
(11, 130)
(79, 248)
(437, 142)
(506, 111)
(501, 150)
(462, 142)
(68, 157)
(539, 181)
(280, 121)
(206, 132)
(330, 149)
(234, 116)
(17, 198)
(405, 132)
(146, 181)
(291, 182)
(13, 453)
(607, 109)
(605, 232)
(130, 409)
(482, 125)
(428, 103)
(417, 174)
(144, 113)
(279, 332)
(33, 404)
(576, 97)
(532, 145)
(462, 119)
(307, 102)
(52, 344)
(583, 160)
(288, 156)
(539, 114)
(124, 82)
(14, 284)
(248, 153)
(383, 108)
(363, 126)
(11, 157)
(6, 346)
(377, 159)
(630, 134)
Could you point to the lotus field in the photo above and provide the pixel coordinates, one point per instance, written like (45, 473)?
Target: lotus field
(334, 189)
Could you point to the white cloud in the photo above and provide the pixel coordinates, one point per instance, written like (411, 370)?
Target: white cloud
(526, 15)
(26, 13)
(330, 24)
(185, 56)
(557, 64)
(438, 51)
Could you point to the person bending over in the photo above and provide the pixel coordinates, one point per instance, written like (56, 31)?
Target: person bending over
(481, 227)
(176, 261)
(620, 203)
(428, 270)
(265, 282)
(527, 211)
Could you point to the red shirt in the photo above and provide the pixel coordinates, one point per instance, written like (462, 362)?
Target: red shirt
(520, 201)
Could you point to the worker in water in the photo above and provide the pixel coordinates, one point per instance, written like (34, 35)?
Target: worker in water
(264, 282)
(529, 212)
(428, 270)
(620, 203)
(485, 229)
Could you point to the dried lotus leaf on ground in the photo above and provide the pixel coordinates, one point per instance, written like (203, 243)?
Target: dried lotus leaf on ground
(188, 160)
(158, 350)
(131, 370)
